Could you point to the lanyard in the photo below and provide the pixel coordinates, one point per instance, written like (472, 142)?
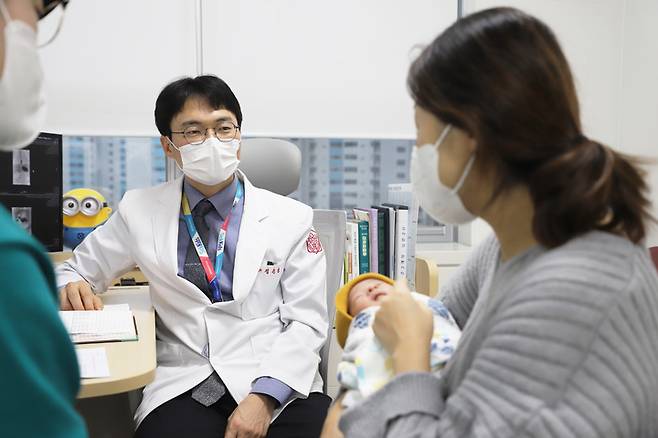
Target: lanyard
(212, 273)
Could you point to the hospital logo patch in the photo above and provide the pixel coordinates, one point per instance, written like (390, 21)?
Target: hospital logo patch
(313, 244)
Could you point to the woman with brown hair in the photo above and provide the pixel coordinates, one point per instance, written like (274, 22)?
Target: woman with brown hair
(559, 309)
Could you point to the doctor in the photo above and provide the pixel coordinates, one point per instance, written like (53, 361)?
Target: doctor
(237, 280)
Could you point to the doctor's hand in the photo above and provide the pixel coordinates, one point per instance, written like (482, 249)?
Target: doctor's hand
(404, 327)
(251, 419)
(79, 296)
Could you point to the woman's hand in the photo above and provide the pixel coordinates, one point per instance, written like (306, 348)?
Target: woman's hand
(404, 327)
(330, 428)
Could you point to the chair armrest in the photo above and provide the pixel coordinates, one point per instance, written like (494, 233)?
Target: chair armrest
(427, 277)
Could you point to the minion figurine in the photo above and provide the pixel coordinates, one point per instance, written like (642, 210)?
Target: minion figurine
(84, 211)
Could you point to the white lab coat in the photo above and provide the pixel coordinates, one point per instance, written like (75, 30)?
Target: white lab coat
(274, 327)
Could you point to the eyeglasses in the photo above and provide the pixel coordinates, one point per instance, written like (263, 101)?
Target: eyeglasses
(225, 131)
(48, 7)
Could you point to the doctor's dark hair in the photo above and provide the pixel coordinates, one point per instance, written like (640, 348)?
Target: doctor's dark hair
(500, 75)
(172, 98)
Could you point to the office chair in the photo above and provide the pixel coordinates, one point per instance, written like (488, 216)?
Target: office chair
(271, 164)
(330, 226)
(275, 165)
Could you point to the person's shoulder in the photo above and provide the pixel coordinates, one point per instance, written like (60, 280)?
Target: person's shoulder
(600, 246)
(10, 232)
(587, 276)
(597, 258)
(579, 294)
(147, 197)
(283, 208)
(280, 202)
(156, 191)
(20, 252)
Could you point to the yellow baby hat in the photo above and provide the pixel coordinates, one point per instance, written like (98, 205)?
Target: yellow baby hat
(343, 319)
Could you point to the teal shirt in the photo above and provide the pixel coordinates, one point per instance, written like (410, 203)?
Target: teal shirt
(39, 377)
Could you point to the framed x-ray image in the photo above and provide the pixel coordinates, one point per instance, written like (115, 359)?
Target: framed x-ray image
(21, 167)
(31, 188)
(23, 217)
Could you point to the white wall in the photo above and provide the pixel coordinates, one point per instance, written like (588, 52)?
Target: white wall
(110, 61)
(612, 46)
(316, 68)
(338, 68)
(298, 67)
(639, 89)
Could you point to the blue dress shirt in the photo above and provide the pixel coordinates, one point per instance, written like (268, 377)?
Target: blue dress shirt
(223, 201)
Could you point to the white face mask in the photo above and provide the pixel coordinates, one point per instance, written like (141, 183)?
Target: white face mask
(210, 162)
(22, 97)
(440, 202)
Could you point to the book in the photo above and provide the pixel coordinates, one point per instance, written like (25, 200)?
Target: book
(401, 241)
(402, 194)
(113, 324)
(370, 215)
(390, 241)
(382, 239)
(352, 249)
(402, 244)
(374, 240)
(364, 247)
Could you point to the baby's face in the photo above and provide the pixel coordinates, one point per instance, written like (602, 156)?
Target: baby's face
(366, 294)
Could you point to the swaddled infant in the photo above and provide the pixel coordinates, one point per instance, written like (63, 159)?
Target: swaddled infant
(365, 365)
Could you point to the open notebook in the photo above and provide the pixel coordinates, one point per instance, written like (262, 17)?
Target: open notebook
(113, 323)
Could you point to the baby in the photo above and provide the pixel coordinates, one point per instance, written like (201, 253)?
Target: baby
(365, 365)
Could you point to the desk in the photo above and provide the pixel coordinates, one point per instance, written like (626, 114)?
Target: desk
(132, 364)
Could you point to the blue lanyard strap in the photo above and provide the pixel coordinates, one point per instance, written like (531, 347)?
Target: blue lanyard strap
(212, 273)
